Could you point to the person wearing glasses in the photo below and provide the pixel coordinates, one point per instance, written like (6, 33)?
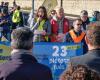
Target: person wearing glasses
(76, 35)
(92, 58)
(59, 26)
(53, 14)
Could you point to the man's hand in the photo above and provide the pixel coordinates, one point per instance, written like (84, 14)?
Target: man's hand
(60, 37)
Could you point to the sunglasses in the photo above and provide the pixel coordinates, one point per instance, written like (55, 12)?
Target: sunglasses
(79, 24)
(52, 13)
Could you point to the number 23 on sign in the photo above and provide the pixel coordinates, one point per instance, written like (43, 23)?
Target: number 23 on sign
(57, 49)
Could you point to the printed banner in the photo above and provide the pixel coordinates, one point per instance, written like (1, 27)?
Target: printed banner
(4, 51)
(54, 55)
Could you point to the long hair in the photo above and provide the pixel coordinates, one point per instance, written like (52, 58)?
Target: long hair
(45, 12)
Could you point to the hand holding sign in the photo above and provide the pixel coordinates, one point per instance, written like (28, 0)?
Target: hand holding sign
(42, 32)
(60, 37)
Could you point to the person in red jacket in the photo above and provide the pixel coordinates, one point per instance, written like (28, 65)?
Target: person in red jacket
(60, 25)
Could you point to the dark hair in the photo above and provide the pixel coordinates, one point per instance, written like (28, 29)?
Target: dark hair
(80, 72)
(45, 12)
(95, 14)
(2, 3)
(77, 19)
(93, 33)
(18, 7)
(6, 3)
(22, 38)
(84, 12)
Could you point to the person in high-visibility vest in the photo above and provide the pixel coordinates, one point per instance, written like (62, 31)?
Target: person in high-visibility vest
(16, 18)
(41, 26)
(76, 35)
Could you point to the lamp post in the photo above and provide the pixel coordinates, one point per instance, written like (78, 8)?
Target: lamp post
(61, 3)
(33, 7)
(14, 3)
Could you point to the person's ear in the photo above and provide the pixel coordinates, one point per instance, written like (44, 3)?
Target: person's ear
(86, 40)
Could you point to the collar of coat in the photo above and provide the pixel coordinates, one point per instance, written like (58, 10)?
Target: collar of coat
(23, 56)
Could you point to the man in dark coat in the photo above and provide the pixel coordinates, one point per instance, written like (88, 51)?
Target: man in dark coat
(92, 57)
(23, 66)
(85, 19)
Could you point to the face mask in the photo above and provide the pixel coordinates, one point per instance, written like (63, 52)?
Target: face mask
(54, 17)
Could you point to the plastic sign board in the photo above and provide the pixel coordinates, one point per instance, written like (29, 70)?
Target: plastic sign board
(5, 51)
(56, 55)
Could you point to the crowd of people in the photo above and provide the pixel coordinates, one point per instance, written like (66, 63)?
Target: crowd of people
(53, 28)
(79, 66)
(9, 19)
(24, 66)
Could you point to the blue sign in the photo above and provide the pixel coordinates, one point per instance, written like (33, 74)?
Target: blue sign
(56, 55)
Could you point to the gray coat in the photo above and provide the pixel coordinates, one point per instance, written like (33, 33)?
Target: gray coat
(90, 59)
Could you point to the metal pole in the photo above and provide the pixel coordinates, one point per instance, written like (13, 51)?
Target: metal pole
(61, 4)
(14, 3)
(33, 7)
